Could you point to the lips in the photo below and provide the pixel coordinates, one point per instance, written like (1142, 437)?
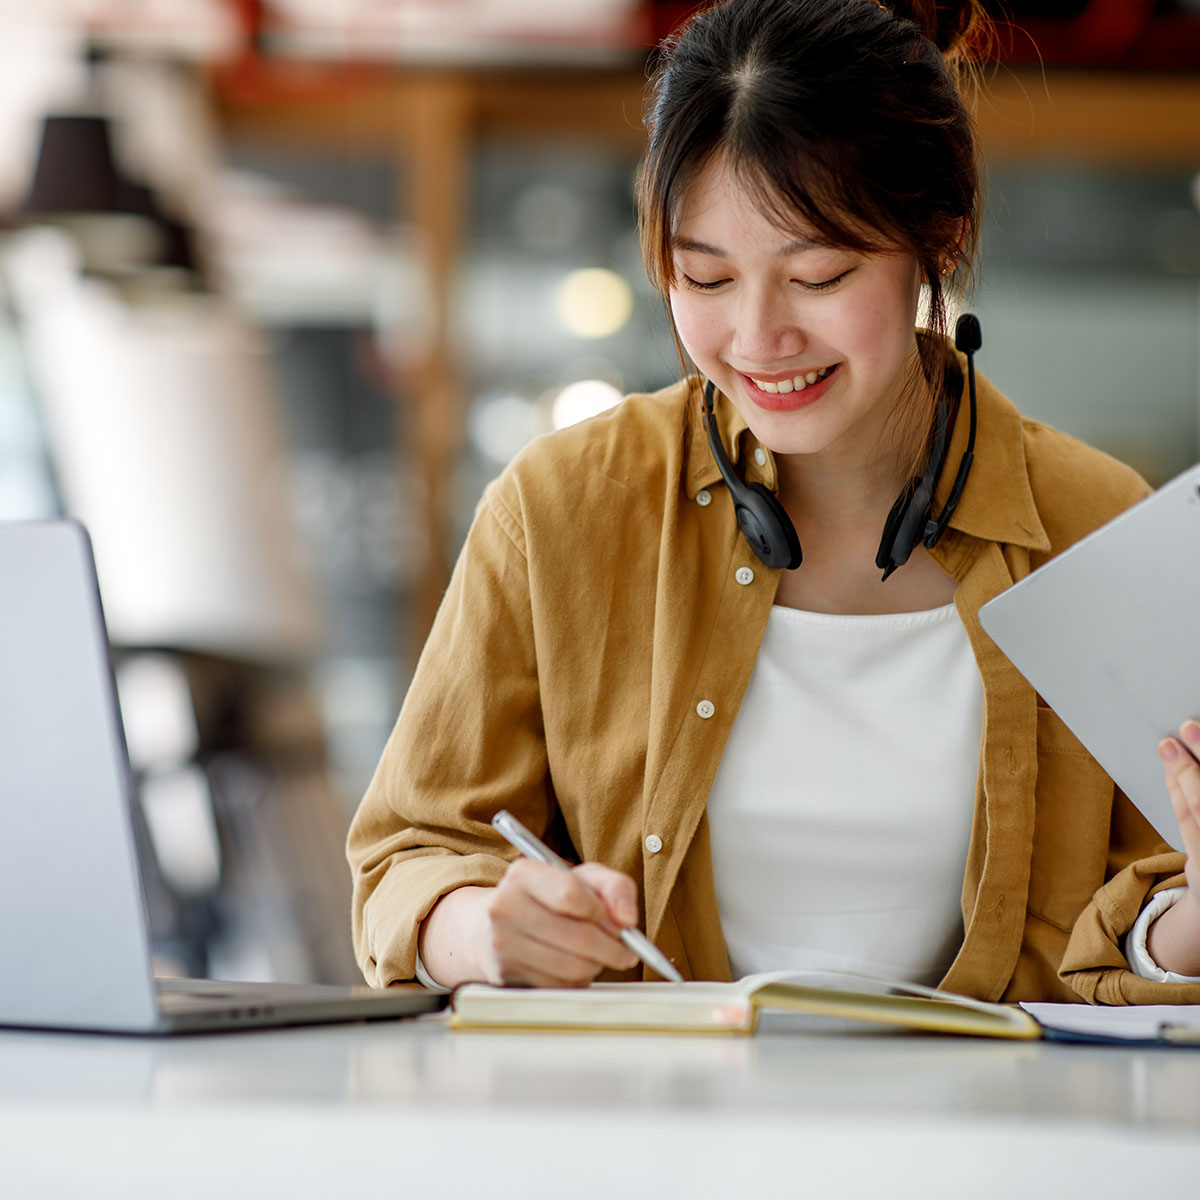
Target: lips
(791, 392)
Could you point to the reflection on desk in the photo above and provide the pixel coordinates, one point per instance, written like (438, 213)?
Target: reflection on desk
(314, 1112)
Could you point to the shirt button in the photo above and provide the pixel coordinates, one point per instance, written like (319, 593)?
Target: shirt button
(744, 575)
(654, 843)
(705, 709)
(760, 457)
(704, 497)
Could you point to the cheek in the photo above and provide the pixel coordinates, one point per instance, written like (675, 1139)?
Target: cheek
(881, 324)
(695, 325)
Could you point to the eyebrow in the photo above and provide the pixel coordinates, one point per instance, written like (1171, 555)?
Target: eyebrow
(796, 246)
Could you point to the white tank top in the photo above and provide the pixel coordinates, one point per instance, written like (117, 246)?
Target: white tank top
(842, 808)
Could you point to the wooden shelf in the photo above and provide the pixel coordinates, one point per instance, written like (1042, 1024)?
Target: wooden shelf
(1099, 119)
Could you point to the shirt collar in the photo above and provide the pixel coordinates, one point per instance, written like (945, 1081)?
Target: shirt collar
(996, 505)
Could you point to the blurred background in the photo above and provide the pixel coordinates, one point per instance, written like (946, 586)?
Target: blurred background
(284, 283)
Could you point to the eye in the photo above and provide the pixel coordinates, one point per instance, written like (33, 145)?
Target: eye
(698, 285)
(825, 284)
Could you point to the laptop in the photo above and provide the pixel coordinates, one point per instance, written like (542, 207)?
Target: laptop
(1107, 634)
(75, 950)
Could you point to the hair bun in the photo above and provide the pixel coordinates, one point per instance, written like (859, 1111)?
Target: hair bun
(955, 29)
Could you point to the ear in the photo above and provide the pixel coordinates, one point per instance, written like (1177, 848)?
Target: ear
(962, 242)
(956, 252)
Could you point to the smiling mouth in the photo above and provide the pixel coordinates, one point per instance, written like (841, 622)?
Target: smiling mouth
(783, 387)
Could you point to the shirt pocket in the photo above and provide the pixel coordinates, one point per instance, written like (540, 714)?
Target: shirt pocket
(1072, 813)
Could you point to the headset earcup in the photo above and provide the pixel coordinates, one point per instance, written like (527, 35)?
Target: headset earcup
(766, 526)
(761, 518)
(885, 556)
(904, 529)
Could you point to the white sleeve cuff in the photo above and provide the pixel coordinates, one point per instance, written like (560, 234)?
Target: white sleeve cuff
(426, 980)
(1136, 954)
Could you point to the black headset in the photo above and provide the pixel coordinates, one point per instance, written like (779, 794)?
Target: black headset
(769, 530)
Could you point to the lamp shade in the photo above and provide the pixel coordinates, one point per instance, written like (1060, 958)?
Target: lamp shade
(76, 171)
(77, 175)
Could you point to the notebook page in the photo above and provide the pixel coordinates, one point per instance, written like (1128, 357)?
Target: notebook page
(1134, 1021)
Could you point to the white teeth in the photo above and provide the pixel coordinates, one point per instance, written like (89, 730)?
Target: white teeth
(797, 384)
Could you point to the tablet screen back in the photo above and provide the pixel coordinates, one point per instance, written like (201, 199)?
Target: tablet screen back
(1107, 633)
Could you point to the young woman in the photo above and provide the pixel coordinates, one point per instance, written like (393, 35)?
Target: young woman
(769, 766)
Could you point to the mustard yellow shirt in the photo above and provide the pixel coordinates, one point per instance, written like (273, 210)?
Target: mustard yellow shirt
(592, 650)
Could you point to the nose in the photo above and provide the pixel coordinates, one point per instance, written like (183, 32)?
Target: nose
(767, 327)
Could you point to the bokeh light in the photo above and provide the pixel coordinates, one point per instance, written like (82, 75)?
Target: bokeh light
(582, 399)
(594, 302)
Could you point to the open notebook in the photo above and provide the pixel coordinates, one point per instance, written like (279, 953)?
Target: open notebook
(699, 1007)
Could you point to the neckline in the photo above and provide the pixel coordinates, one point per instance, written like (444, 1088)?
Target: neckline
(894, 620)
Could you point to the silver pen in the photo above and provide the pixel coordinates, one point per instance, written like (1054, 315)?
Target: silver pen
(533, 847)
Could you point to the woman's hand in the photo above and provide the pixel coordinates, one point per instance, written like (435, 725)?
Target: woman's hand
(555, 928)
(540, 925)
(1174, 939)
(1182, 774)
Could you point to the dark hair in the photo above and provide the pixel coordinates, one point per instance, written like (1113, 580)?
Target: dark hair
(850, 114)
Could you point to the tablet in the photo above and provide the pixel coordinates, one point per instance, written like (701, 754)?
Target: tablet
(1108, 632)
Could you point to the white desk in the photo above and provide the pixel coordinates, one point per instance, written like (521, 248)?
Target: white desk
(410, 1109)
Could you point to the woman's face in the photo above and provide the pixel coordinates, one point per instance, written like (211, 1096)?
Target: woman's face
(814, 345)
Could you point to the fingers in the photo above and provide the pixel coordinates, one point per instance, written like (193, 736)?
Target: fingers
(538, 964)
(616, 891)
(548, 927)
(1181, 772)
(1190, 732)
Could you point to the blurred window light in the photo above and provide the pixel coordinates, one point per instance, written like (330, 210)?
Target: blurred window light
(157, 711)
(291, 262)
(165, 432)
(193, 29)
(464, 20)
(594, 302)
(583, 399)
(41, 69)
(25, 492)
(503, 423)
(183, 830)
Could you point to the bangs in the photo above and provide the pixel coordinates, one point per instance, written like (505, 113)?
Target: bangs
(797, 196)
(800, 198)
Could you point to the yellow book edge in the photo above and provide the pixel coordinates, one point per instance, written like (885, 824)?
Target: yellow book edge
(948, 1013)
(732, 1008)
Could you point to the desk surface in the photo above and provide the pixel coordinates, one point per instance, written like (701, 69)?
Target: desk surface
(333, 1110)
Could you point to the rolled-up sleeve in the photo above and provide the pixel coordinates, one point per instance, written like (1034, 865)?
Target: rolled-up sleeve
(469, 740)
(1094, 963)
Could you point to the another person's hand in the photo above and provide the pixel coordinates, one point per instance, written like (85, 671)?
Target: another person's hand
(553, 928)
